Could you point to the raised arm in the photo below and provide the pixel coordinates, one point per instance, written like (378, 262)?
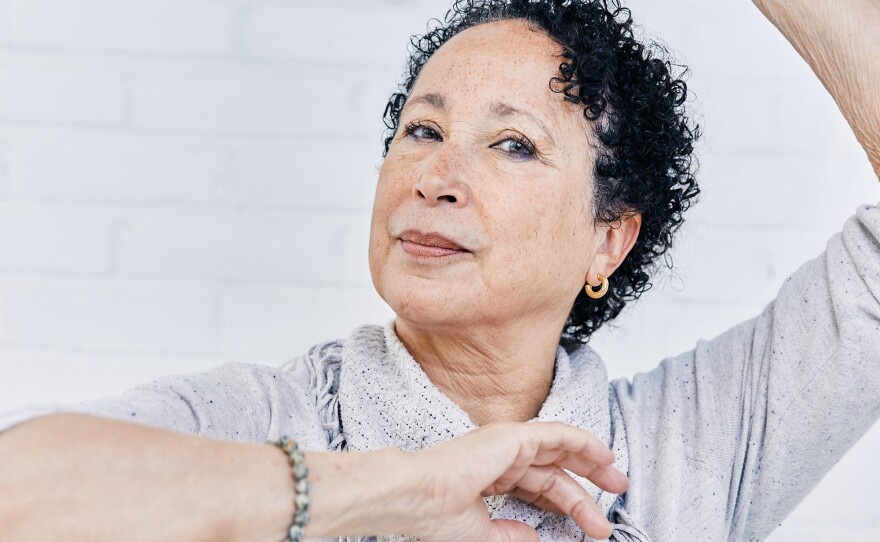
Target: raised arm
(752, 419)
(840, 40)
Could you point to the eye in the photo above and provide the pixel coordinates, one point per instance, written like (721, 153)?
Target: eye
(420, 131)
(518, 147)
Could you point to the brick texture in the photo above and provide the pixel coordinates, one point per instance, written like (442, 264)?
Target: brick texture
(185, 183)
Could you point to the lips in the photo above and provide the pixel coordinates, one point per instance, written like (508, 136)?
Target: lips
(429, 244)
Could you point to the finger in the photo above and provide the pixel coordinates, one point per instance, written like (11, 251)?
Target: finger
(557, 437)
(595, 525)
(553, 489)
(598, 528)
(554, 483)
(609, 478)
(545, 443)
(593, 461)
(606, 477)
(556, 443)
(509, 530)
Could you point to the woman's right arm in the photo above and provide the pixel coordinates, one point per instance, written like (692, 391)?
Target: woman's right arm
(122, 459)
(83, 477)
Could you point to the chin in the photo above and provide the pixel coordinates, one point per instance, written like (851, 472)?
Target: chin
(429, 307)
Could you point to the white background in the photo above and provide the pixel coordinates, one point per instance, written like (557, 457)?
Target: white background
(185, 183)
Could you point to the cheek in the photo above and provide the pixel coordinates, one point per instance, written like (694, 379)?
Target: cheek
(576, 238)
(382, 205)
(575, 224)
(545, 237)
(391, 192)
(394, 180)
(545, 221)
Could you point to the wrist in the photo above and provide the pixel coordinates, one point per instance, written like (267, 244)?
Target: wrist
(362, 493)
(259, 492)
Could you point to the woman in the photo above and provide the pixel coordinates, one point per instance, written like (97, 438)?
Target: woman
(537, 153)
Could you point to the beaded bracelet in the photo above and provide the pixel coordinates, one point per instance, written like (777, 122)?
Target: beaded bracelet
(300, 473)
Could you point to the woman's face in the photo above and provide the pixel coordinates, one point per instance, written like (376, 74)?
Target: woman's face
(488, 157)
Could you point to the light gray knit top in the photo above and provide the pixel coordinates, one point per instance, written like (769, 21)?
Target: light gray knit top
(720, 442)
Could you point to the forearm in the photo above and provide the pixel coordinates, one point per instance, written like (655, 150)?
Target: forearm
(840, 40)
(87, 478)
(364, 493)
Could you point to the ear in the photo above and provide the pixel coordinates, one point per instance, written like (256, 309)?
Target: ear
(619, 239)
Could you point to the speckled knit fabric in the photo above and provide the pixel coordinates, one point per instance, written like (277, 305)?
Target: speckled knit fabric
(394, 403)
(720, 442)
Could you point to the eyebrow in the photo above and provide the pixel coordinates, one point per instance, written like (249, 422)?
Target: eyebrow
(499, 110)
(432, 98)
(503, 111)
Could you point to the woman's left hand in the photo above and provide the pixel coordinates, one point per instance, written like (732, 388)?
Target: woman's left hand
(525, 460)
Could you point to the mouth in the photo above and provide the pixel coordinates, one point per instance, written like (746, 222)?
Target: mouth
(430, 245)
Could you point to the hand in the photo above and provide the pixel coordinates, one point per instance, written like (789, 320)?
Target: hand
(521, 459)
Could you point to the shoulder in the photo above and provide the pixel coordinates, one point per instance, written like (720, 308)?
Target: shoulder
(317, 375)
(321, 364)
(322, 358)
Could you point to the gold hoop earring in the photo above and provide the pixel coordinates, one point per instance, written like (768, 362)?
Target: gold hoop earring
(602, 291)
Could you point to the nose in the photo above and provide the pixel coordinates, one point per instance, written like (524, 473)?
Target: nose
(443, 179)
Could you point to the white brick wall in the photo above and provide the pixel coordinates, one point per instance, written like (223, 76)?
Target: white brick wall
(172, 197)
(167, 27)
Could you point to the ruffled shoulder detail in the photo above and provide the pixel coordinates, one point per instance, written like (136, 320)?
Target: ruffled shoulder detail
(623, 526)
(323, 362)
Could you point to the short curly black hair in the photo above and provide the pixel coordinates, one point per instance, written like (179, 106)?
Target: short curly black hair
(635, 101)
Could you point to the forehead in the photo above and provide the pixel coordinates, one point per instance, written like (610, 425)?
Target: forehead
(507, 61)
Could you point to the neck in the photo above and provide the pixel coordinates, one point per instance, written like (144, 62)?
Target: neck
(492, 374)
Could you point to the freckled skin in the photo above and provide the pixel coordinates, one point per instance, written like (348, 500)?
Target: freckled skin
(534, 215)
(485, 325)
